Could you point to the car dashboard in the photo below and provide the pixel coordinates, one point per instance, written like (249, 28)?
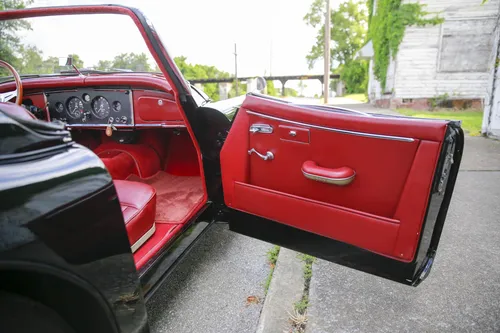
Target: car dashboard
(89, 107)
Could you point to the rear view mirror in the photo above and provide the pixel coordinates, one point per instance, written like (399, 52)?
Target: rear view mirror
(257, 84)
(261, 83)
(66, 61)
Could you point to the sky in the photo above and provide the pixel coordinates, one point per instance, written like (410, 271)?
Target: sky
(270, 35)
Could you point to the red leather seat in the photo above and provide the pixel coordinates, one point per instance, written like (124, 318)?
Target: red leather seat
(120, 165)
(138, 203)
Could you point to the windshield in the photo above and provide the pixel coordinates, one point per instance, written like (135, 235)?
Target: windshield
(95, 42)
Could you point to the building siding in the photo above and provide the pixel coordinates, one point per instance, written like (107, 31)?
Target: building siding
(424, 69)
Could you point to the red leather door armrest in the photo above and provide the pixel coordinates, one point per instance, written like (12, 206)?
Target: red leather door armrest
(339, 176)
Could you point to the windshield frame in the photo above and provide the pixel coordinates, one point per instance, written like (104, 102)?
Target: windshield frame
(146, 29)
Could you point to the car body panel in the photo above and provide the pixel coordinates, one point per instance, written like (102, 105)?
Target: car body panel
(60, 218)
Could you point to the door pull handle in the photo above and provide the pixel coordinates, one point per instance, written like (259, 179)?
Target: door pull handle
(341, 176)
(269, 156)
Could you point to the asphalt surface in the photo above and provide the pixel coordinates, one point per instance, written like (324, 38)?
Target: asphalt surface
(462, 293)
(208, 292)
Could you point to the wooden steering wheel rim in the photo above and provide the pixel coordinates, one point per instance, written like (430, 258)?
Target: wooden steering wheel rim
(17, 78)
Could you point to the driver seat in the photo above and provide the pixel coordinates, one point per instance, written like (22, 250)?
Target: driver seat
(138, 204)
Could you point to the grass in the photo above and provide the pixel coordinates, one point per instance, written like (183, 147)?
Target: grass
(357, 97)
(301, 306)
(471, 119)
(272, 257)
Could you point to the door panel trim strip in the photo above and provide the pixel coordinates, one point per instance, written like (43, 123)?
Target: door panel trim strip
(337, 130)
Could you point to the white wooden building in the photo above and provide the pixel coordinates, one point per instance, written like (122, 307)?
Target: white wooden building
(455, 59)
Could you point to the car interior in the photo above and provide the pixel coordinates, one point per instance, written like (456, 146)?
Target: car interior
(140, 136)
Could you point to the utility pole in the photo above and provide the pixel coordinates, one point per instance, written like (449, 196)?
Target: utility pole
(236, 69)
(326, 78)
(271, 58)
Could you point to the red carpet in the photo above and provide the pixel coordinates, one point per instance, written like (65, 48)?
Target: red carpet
(176, 196)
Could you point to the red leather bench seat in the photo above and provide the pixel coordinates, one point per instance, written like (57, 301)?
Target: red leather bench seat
(146, 161)
(138, 203)
(120, 165)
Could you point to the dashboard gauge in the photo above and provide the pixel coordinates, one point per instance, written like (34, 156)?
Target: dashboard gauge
(86, 97)
(100, 107)
(117, 106)
(75, 107)
(59, 107)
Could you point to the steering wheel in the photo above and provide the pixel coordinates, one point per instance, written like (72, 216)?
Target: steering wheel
(19, 85)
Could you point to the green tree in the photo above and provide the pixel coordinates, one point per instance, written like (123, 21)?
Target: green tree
(135, 62)
(355, 76)
(192, 72)
(31, 61)
(291, 92)
(242, 90)
(77, 61)
(271, 89)
(348, 31)
(9, 41)
(51, 65)
(348, 34)
(104, 65)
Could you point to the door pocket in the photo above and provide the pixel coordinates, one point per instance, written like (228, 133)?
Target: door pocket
(370, 232)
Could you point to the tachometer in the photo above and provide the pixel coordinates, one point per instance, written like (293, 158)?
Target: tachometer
(75, 107)
(100, 107)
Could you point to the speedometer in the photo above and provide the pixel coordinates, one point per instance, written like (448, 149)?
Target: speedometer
(75, 107)
(100, 107)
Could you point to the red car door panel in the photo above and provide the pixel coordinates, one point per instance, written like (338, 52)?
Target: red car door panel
(362, 180)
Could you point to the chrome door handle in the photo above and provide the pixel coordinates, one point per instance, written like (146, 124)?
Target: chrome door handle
(261, 128)
(269, 156)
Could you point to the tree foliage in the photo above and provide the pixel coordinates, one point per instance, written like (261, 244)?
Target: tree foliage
(355, 77)
(137, 62)
(271, 89)
(9, 42)
(387, 29)
(348, 34)
(348, 30)
(30, 60)
(197, 71)
(77, 61)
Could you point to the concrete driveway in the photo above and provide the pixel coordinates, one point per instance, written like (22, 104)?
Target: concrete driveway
(462, 294)
(208, 292)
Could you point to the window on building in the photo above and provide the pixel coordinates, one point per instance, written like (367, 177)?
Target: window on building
(466, 45)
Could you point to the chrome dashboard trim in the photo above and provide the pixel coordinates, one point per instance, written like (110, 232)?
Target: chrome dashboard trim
(337, 130)
(131, 99)
(69, 126)
(162, 125)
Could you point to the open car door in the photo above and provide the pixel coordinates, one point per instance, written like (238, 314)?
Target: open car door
(366, 191)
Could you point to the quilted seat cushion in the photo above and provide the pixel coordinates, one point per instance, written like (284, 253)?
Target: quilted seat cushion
(138, 203)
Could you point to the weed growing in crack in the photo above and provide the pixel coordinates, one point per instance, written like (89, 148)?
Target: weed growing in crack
(299, 317)
(272, 258)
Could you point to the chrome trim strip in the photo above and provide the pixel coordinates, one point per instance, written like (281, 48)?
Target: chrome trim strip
(98, 125)
(143, 239)
(368, 135)
(131, 103)
(328, 180)
(162, 125)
